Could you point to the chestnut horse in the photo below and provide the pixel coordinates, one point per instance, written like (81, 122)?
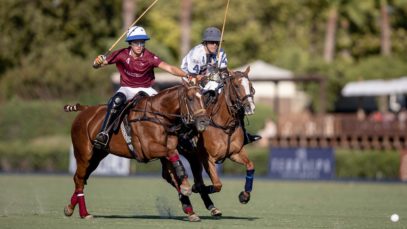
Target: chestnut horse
(222, 139)
(149, 133)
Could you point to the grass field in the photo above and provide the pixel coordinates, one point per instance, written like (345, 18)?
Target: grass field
(37, 201)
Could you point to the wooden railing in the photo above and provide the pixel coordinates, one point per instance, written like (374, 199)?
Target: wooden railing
(341, 130)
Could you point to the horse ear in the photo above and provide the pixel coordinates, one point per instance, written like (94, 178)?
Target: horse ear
(230, 72)
(247, 70)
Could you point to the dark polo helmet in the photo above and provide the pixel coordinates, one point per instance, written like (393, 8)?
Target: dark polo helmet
(211, 34)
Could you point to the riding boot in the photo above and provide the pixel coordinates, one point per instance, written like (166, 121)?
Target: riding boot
(249, 138)
(103, 137)
(113, 110)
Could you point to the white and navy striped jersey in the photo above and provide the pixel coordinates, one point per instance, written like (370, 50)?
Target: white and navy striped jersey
(196, 60)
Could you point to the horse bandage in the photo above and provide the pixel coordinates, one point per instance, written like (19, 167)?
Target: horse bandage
(249, 180)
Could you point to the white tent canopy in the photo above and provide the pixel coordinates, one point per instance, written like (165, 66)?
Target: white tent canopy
(262, 70)
(376, 87)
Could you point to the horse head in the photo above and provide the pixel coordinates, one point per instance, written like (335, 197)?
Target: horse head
(193, 108)
(241, 90)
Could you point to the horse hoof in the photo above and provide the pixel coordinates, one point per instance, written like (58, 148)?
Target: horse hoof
(185, 190)
(68, 211)
(194, 218)
(88, 217)
(216, 212)
(244, 197)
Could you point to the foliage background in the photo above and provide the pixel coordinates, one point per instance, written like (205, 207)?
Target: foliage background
(47, 48)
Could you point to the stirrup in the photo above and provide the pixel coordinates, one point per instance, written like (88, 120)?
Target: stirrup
(249, 138)
(101, 140)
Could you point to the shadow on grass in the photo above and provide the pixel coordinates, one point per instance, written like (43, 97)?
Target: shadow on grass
(181, 218)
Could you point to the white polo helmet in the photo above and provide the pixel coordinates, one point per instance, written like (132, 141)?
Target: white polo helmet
(137, 33)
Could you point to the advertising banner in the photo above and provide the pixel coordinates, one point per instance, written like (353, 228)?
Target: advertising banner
(110, 165)
(302, 163)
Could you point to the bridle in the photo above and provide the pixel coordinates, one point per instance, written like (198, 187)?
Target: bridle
(188, 114)
(234, 98)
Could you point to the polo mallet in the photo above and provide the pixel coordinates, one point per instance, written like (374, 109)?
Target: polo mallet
(221, 35)
(115, 43)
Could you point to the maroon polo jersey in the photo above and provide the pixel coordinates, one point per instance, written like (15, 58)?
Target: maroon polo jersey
(134, 71)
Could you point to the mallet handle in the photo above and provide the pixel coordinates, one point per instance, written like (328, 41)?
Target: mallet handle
(117, 41)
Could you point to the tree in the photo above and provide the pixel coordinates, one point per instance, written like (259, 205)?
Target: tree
(329, 48)
(385, 43)
(186, 8)
(128, 10)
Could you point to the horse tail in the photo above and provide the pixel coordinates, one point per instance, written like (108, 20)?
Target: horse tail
(76, 107)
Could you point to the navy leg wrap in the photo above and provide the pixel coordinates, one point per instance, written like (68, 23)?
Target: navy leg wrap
(249, 180)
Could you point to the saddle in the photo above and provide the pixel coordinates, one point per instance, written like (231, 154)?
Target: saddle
(132, 103)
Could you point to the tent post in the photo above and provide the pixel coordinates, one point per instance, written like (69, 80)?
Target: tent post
(276, 107)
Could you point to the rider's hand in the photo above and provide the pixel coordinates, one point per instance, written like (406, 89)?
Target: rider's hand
(192, 80)
(199, 77)
(99, 60)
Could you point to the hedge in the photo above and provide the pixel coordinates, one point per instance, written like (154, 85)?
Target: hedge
(51, 154)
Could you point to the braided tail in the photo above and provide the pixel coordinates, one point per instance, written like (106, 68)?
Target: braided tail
(76, 107)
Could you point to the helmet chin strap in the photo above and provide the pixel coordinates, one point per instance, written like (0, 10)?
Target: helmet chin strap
(209, 51)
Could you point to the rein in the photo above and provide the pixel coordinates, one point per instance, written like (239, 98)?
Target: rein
(233, 109)
(186, 118)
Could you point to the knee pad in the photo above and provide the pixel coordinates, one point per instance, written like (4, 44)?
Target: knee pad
(118, 100)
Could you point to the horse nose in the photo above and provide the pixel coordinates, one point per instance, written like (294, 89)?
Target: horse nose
(201, 123)
(250, 108)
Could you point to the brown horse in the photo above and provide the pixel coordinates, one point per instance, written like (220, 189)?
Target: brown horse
(148, 132)
(223, 138)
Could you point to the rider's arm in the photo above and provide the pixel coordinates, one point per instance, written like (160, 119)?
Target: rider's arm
(172, 69)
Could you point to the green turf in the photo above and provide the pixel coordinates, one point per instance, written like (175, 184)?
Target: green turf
(34, 201)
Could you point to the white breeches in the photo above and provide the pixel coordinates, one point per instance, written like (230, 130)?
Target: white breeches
(130, 92)
(211, 86)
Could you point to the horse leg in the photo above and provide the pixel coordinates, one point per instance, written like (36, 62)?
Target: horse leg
(182, 178)
(170, 177)
(210, 169)
(199, 185)
(85, 167)
(242, 158)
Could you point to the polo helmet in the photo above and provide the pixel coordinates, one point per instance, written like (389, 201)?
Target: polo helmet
(211, 34)
(137, 33)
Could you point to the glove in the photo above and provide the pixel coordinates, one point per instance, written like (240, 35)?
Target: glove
(192, 80)
(99, 61)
